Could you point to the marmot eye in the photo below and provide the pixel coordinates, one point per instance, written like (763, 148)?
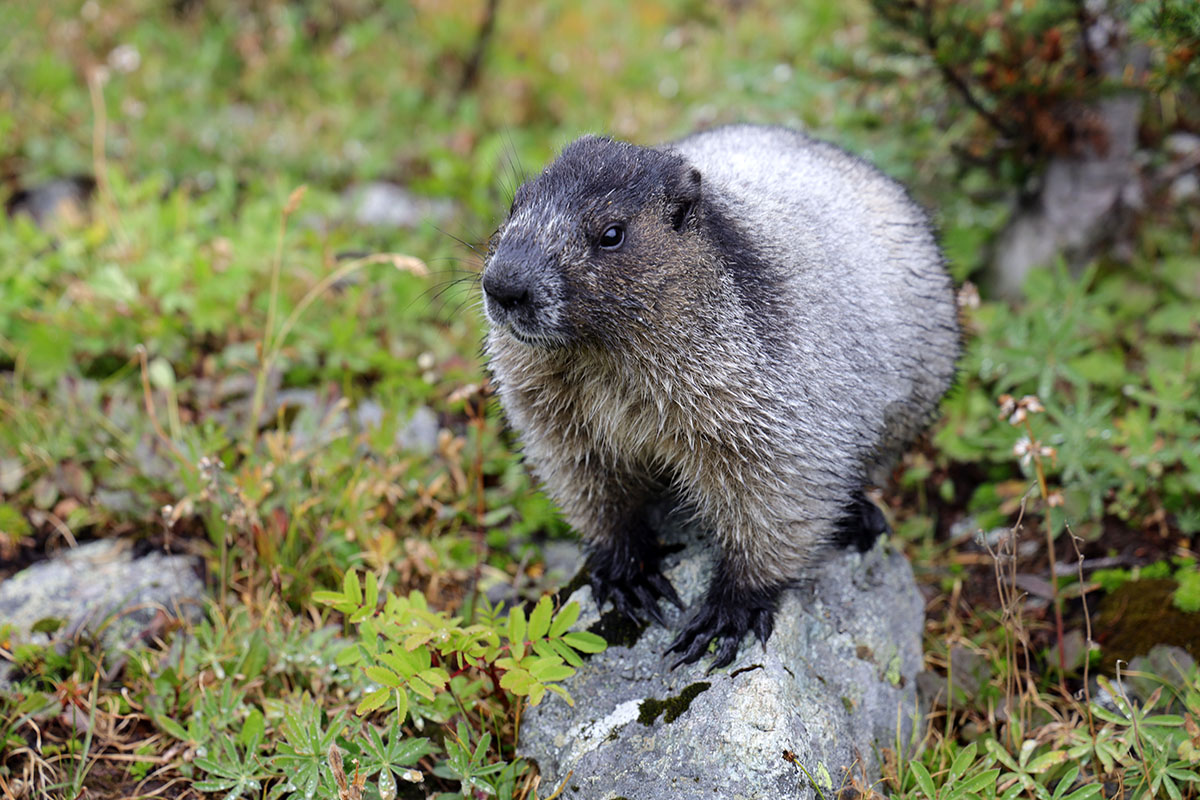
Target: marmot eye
(613, 237)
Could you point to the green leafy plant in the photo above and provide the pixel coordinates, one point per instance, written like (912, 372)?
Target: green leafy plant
(303, 753)
(475, 769)
(397, 645)
(1155, 761)
(408, 651)
(391, 758)
(234, 767)
(1120, 416)
(1152, 749)
(967, 777)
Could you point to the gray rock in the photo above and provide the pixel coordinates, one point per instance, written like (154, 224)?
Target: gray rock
(57, 202)
(1078, 205)
(368, 415)
(420, 433)
(100, 588)
(836, 677)
(1107, 700)
(560, 561)
(1164, 662)
(971, 672)
(1185, 187)
(1182, 144)
(320, 415)
(1088, 194)
(562, 558)
(383, 204)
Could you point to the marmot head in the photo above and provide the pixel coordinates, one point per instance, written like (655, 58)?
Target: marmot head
(597, 244)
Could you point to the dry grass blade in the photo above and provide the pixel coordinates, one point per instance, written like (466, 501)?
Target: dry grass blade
(346, 790)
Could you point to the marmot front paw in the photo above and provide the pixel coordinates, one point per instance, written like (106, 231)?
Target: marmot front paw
(633, 583)
(726, 615)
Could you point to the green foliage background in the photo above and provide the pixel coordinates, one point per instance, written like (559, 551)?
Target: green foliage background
(135, 399)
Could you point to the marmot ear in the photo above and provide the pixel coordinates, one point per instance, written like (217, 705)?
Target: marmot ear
(685, 198)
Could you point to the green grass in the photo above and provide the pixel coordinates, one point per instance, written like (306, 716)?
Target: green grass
(145, 346)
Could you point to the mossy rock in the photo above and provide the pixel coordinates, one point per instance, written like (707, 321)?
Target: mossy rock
(1139, 615)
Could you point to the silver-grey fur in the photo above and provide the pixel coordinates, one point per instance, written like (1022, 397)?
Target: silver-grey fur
(766, 337)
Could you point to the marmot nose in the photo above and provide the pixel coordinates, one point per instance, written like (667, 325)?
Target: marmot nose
(507, 289)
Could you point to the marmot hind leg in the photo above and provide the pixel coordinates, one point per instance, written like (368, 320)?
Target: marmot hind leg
(861, 525)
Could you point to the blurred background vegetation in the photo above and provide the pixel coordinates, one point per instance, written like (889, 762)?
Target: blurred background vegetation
(163, 302)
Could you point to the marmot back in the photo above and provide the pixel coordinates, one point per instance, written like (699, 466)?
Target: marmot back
(749, 318)
(868, 290)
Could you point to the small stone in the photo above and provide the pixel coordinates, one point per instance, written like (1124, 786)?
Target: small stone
(562, 557)
(421, 432)
(1163, 662)
(1108, 700)
(55, 203)
(387, 205)
(368, 415)
(1185, 187)
(1182, 144)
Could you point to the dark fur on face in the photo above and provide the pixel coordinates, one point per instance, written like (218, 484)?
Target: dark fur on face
(549, 259)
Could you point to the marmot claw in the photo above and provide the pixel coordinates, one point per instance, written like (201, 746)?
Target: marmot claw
(634, 592)
(727, 622)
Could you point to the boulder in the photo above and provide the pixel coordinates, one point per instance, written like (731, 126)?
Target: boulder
(835, 684)
(101, 589)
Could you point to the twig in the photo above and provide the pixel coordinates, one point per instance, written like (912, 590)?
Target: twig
(1058, 620)
(519, 703)
(1082, 20)
(1087, 622)
(470, 74)
(293, 202)
(561, 786)
(99, 135)
(1173, 171)
(956, 80)
(148, 395)
(1133, 719)
(401, 262)
(529, 784)
(62, 529)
